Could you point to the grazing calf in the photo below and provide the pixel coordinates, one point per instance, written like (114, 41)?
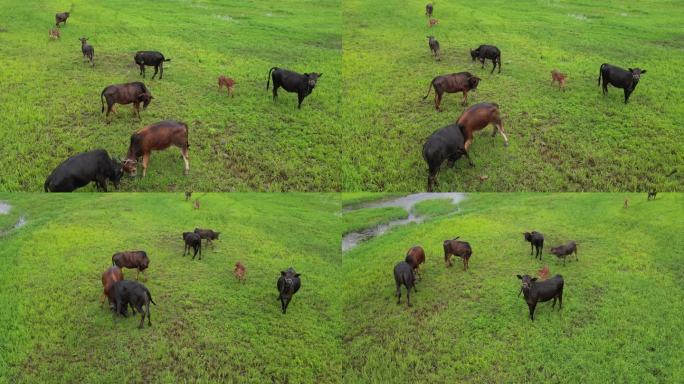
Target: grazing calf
(127, 93)
(434, 47)
(536, 240)
(61, 18)
(288, 284)
(415, 257)
(79, 170)
(240, 272)
(403, 274)
(487, 52)
(153, 59)
(87, 50)
(194, 241)
(227, 82)
(136, 295)
(53, 33)
(559, 77)
(291, 81)
(429, 8)
(452, 83)
(432, 22)
(109, 277)
(619, 78)
(133, 260)
(207, 234)
(652, 194)
(544, 273)
(479, 116)
(458, 248)
(156, 137)
(444, 143)
(563, 251)
(541, 291)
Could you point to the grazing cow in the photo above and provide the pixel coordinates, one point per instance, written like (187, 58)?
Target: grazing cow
(434, 46)
(619, 78)
(128, 93)
(452, 83)
(544, 272)
(458, 248)
(150, 58)
(563, 251)
(403, 274)
(536, 240)
(132, 259)
(652, 194)
(79, 170)
(432, 22)
(61, 18)
(541, 291)
(136, 295)
(188, 195)
(429, 8)
(415, 257)
(109, 277)
(194, 241)
(227, 82)
(479, 116)
(156, 137)
(444, 143)
(291, 81)
(559, 77)
(487, 52)
(240, 272)
(87, 50)
(207, 234)
(53, 33)
(288, 284)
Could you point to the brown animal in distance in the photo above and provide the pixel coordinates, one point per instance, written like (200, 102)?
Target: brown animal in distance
(240, 272)
(626, 204)
(53, 33)
(224, 81)
(197, 204)
(559, 77)
(432, 22)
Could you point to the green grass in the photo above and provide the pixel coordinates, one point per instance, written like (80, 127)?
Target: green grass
(206, 326)
(51, 100)
(622, 309)
(431, 208)
(371, 217)
(575, 140)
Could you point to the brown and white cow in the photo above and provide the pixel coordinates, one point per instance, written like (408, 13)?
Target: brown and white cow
(156, 137)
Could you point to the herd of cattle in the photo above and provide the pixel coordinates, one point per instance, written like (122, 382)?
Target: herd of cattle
(535, 289)
(97, 166)
(122, 294)
(452, 142)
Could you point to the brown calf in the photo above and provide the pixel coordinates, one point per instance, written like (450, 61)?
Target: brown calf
(227, 82)
(544, 273)
(156, 137)
(559, 77)
(109, 277)
(477, 117)
(452, 83)
(458, 248)
(239, 272)
(127, 93)
(132, 259)
(432, 22)
(53, 33)
(415, 257)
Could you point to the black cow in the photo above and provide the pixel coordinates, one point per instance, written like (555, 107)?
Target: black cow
(536, 240)
(288, 284)
(563, 251)
(429, 8)
(487, 52)
(291, 81)
(207, 234)
(133, 293)
(444, 143)
(153, 59)
(193, 240)
(434, 46)
(87, 50)
(79, 170)
(652, 194)
(620, 78)
(540, 291)
(403, 274)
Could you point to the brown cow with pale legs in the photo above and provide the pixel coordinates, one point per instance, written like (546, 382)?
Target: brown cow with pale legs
(127, 93)
(239, 272)
(132, 259)
(559, 77)
(156, 137)
(477, 117)
(224, 81)
(109, 277)
(415, 257)
(458, 248)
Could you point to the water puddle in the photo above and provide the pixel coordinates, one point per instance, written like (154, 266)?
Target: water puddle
(4, 210)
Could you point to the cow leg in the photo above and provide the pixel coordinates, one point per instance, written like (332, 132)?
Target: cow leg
(142, 316)
(142, 70)
(498, 125)
(149, 319)
(465, 98)
(161, 70)
(275, 91)
(605, 87)
(531, 248)
(230, 92)
(408, 296)
(146, 159)
(156, 70)
(498, 60)
(137, 273)
(184, 153)
(200, 249)
(494, 66)
(185, 249)
(532, 306)
(102, 298)
(465, 264)
(398, 294)
(560, 300)
(438, 100)
(283, 304)
(300, 98)
(553, 305)
(627, 93)
(482, 60)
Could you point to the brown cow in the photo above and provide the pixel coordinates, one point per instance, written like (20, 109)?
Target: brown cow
(432, 22)
(132, 259)
(227, 82)
(128, 93)
(239, 272)
(559, 77)
(109, 277)
(477, 117)
(452, 83)
(61, 18)
(53, 33)
(458, 248)
(156, 137)
(415, 257)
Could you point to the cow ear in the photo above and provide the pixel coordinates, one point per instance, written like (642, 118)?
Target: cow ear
(643, 71)
(297, 274)
(320, 74)
(630, 69)
(306, 74)
(534, 279)
(519, 277)
(282, 273)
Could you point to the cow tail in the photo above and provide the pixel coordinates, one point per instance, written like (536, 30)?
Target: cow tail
(429, 88)
(600, 71)
(47, 184)
(102, 99)
(268, 81)
(462, 129)
(167, 59)
(187, 135)
(149, 295)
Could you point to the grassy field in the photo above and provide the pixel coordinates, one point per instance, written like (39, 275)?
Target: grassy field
(575, 140)
(206, 326)
(623, 300)
(51, 100)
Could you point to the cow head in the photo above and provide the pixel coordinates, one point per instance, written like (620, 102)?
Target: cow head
(215, 235)
(289, 276)
(117, 172)
(636, 73)
(312, 78)
(430, 38)
(527, 282)
(130, 166)
(528, 236)
(145, 97)
(555, 250)
(473, 82)
(474, 54)
(83, 40)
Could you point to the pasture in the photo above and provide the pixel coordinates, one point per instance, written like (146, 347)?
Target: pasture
(622, 303)
(572, 140)
(206, 326)
(51, 100)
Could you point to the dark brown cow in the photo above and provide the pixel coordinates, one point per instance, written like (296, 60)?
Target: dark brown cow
(109, 277)
(559, 77)
(224, 81)
(415, 257)
(61, 18)
(132, 259)
(156, 137)
(458, 248)
(429, 8)
(477, 117)
(128, 93)
(88, 51)
(452, 83)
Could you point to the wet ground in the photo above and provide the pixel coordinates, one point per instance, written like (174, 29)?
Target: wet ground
(4, 210)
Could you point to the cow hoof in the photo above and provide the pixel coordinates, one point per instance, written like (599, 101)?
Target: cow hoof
(506, 144)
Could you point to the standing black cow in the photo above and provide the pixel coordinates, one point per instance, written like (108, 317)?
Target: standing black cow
(620, 78)
(403, 274)
(194, 241)
(292, 82)
(288, 284)
(87, 50)
(133, 293)
(487, 52)
(153, 59)
(429, 8)
(540, 291)
(445, 143)
(79, 170)
(434, 46)
(536, 240)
